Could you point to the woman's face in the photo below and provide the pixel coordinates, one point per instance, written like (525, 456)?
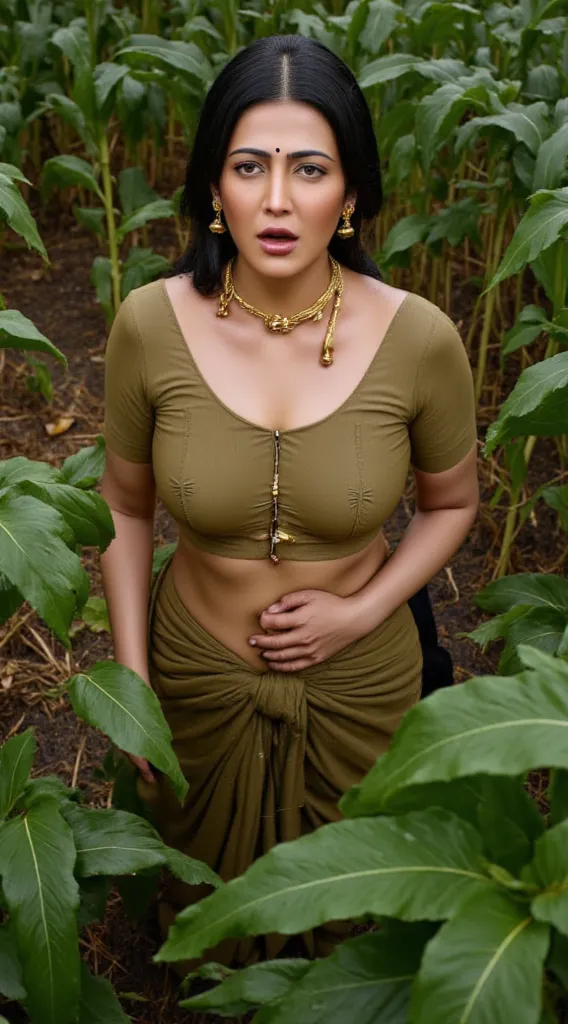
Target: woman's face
(282, 171)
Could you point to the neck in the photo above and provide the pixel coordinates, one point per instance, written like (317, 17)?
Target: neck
(286, 296)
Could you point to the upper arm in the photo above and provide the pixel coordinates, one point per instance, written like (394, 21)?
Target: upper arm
(129, 413)
(128, 487)
(443, 431)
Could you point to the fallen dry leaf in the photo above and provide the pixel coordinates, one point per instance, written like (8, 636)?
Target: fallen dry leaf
(60, 427)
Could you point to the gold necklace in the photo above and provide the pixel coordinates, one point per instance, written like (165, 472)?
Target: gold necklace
(284, 324)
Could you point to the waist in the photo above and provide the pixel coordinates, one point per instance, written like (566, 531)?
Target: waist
(227, 595)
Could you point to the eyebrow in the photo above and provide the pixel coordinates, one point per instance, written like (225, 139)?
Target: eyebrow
(291, 156)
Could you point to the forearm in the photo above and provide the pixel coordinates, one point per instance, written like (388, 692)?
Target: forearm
(430, 540)
(126, 568)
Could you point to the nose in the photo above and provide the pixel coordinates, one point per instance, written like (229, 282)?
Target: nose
(277, 195)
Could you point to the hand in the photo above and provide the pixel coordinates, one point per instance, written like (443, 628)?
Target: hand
(141, 764)
(308, 627)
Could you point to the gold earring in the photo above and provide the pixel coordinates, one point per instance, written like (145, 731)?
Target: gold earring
(346, 230)
(217, 226)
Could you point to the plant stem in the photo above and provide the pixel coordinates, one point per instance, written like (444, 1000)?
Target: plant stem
(489, 304)
(110, 219)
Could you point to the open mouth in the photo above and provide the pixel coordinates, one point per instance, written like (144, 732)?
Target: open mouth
(278, 234)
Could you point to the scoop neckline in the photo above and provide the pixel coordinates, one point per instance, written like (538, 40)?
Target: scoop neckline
(258, 426)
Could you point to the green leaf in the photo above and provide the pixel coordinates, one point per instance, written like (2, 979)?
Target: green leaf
(10, 970)
(366, 979)
(37, 858)
(16, 212)
(405, 233)
(65, 171)
(16, 331)
(107, 76)
(111, 842)
(35, 555)
(527, 124)
(541, 627)
(85, 468)
(189, 870)
(256, 985)
(420, 866)
(525, 588)
(496, 628)
(559, 796)
(157, 210)
(484, 965)
(543, 223)
(95, 615)
(558, 959)
(551, 865)
(141, 267)
(116, 700)
(538, 404)
(557, 498)
(91, 217)
(134, 190)
(101, 279)
(520, 335)
(551, 160)
(10, 599)
(169, 55)
(16, 760)
(36, 790)
(99, 1005)
(162, 555)
(495, 725)
(86, 512)
(387, 69)
(94, 893)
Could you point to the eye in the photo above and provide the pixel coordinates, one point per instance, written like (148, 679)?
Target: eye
(311, 168)
(248, 165)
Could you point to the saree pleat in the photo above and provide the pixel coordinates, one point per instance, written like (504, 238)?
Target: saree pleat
(267, 754)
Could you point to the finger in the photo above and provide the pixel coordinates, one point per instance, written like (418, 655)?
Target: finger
(277, 641)
(281, 620)
(288, 655)
(293, 600)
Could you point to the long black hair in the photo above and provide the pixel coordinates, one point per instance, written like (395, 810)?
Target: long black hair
(273, 68)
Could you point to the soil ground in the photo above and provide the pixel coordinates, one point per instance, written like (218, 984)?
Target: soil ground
(34, 666)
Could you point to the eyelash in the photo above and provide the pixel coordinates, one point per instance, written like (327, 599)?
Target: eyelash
(251, 163)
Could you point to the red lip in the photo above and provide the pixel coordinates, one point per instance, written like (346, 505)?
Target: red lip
(277, 233)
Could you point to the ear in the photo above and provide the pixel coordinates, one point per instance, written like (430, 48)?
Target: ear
(350, 198)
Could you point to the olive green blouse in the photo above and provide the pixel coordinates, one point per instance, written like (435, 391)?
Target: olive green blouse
(339, 478)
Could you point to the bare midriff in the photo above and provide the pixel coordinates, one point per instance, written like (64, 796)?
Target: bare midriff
(227, 595)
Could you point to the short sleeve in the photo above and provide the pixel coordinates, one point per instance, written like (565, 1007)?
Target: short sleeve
(443, 427)
(129, 414)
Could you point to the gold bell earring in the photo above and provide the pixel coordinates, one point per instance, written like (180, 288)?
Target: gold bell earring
(346, 230)
(217, 226)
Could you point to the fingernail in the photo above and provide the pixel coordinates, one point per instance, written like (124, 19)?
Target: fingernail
(252, 643)
(274, 607)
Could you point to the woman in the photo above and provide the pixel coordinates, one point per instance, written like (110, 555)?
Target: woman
(279, 641)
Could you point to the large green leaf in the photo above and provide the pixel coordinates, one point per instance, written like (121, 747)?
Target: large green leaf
(558, 796)
(496, 725)
(16, 331)
(37, 858)
(240, 990)
(526, 124)
(16, 212)
(85, 467)
(543, 223)
(86, 512)
(421, 866)
(116, 700)
(16, 760)
(98, 1005)
(168, 55)
(530, 588)
(367, 979)
(107, 76)
(10, 970)
(406, 232)
(157, 210)
(141, 267)
(35, 555)
(551, 160)
(191, 871)
(66, 170)
(134, 190)
(485, 965)
(551, 865)
(538, 404)
(439, 112)
(541, 627)
(391, 66)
